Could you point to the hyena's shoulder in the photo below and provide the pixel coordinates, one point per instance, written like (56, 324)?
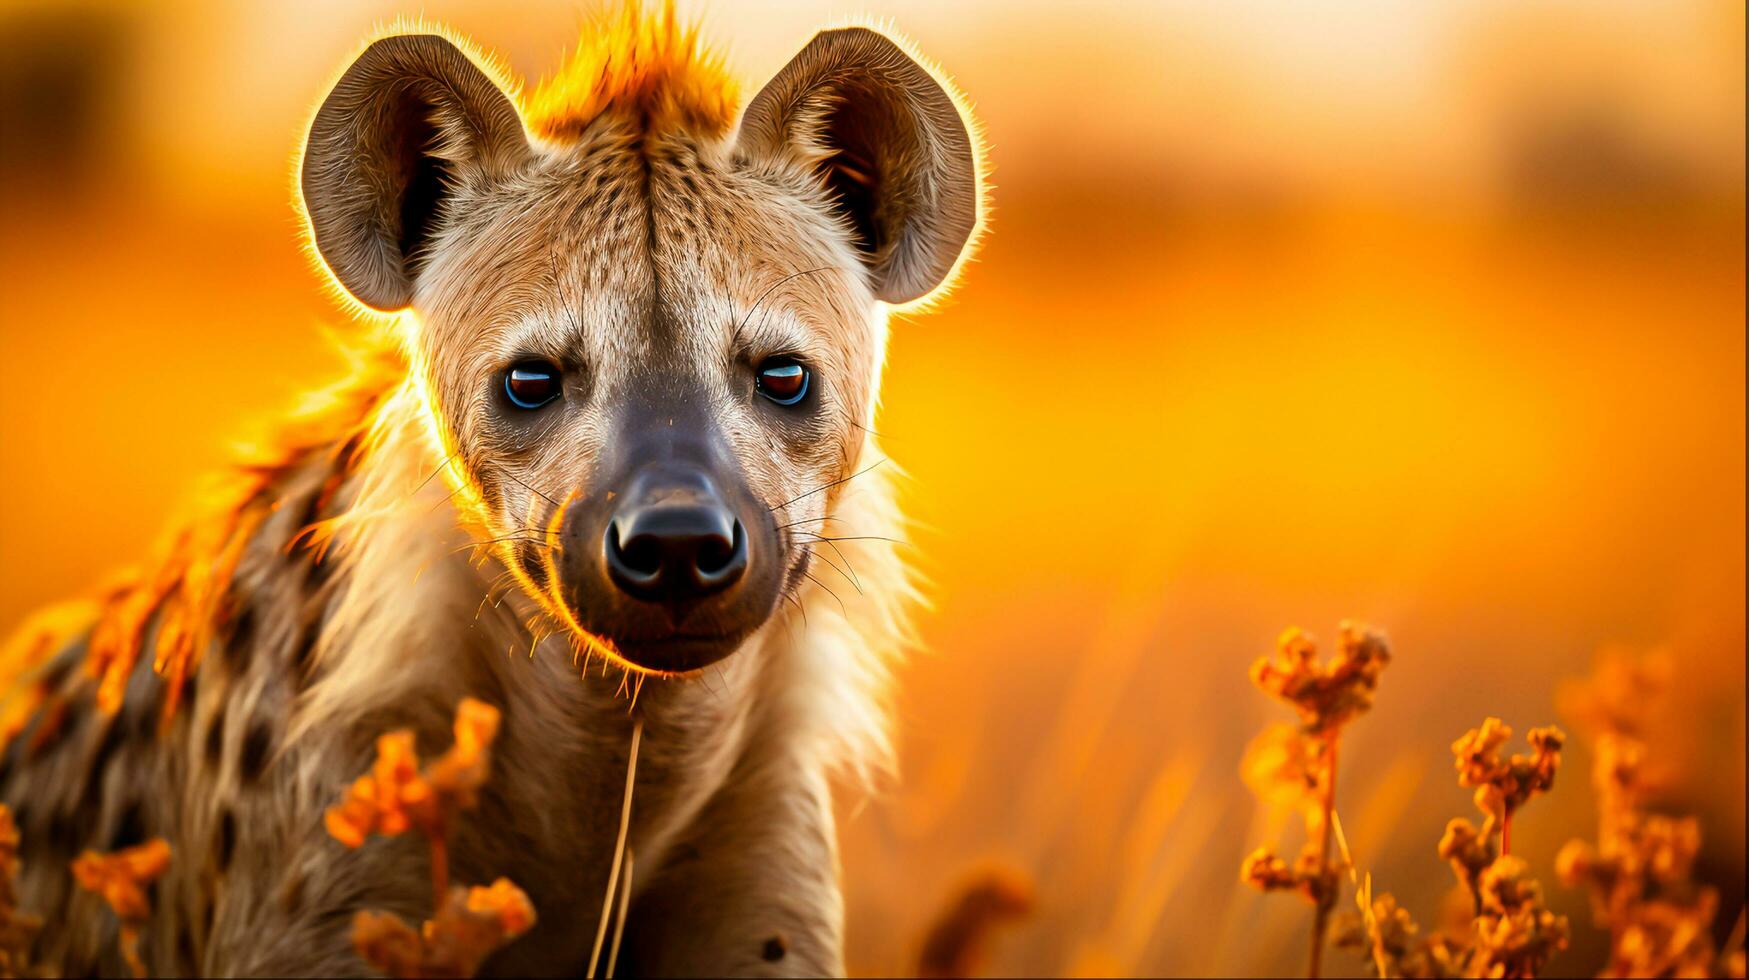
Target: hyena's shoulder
(155, 710)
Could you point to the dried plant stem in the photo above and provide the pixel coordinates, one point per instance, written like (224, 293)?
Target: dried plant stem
(619, 923)
(1321, 917)
(619, 848)
(1362, 897)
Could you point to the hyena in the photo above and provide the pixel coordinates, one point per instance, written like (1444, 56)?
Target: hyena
(611, 463)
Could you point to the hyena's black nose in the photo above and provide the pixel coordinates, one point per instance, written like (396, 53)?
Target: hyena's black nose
(673, 539)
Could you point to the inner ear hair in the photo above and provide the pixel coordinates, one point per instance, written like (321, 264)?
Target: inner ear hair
(424, 178)
(412, 119)
(852, 171)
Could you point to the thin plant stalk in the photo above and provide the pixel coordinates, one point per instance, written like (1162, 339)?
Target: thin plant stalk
(619, 924)
(619, 848)
(1362, 898)
(1321, 917)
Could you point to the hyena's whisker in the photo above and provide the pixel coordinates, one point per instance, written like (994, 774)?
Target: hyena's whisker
(849, 576)
(838, 482)
(841, 607)
(806, 520)
(855, 537)
(531, 489)
(447, 498)
(859, 425)
(536, 542)
(440, 468)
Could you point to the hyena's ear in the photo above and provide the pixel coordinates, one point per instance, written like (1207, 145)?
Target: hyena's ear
(891, 146)
(412, 120)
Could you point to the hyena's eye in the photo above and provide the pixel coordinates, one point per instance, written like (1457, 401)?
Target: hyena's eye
(531, 384)
(783, 381)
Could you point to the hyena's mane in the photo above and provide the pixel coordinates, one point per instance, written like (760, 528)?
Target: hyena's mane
(173, 606)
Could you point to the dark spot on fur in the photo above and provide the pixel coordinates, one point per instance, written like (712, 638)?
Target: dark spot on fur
(252, 761)
(291, 893)
(185, 949)
(106, 749)
(303, 655)
(130, 829)
(60, 668)
(190, 687)
(71, 832)
(47, 728)
(321, 568)
(774, 949)
(312, 512)
(225, 844)
(215, 738)
(242, 634)
(143, 702)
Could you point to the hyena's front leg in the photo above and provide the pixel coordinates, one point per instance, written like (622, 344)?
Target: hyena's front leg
(752, 888)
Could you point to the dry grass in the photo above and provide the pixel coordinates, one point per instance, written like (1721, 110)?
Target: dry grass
(1660, 921)
(1638, 871)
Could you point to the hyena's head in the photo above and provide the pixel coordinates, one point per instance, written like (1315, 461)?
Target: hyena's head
(650, 338)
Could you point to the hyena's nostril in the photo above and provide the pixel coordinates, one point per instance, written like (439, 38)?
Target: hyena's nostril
(674, 551)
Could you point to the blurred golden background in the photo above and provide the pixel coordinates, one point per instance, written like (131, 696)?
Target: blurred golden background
(1430, 315)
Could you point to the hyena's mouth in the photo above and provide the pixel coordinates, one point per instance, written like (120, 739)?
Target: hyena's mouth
(670, 570)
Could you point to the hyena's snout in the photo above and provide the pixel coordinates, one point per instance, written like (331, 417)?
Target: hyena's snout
(673, 539)
(676, 561)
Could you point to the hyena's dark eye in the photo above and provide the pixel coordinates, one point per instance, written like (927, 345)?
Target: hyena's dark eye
(531, 384)
(783, 381)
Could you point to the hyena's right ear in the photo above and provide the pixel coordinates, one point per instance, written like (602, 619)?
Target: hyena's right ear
(413, 119)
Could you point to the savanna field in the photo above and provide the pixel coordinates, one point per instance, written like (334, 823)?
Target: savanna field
(1428, 320)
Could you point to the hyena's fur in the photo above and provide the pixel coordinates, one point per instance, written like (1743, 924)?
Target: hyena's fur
(352, 580)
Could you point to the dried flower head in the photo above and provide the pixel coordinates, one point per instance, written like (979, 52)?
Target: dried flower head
(1516, 934)
(470, 925)
(1308, 876)
(1638, 872)
(1470, 851)
(1326, 695)
(1399, 944)
(1638, 875)
(1621, 693)
(1503, 785)
(121, 879)
(395, 795)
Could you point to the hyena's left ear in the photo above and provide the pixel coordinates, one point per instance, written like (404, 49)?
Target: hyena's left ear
(412, 120)
(891, 146)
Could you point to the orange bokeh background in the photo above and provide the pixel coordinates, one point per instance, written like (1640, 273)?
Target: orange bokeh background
(1426, 314)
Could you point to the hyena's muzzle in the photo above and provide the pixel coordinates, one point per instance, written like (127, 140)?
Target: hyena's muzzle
(674, 559)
